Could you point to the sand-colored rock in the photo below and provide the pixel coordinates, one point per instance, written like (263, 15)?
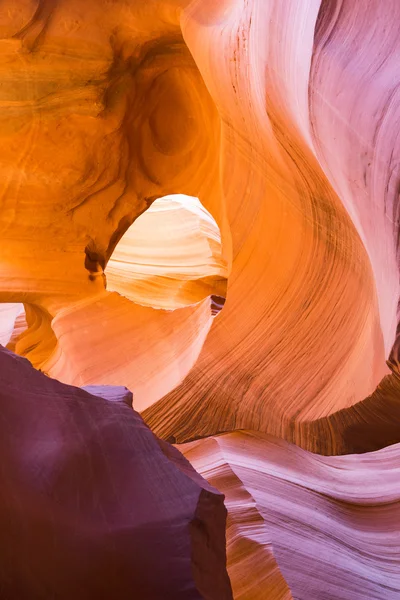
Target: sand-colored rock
(170, 257)
(311, 311)
(106, 107)
(95, 126)
(152, 155)
(20, 325)
(252, 566)
(354, 106)
(155, 348)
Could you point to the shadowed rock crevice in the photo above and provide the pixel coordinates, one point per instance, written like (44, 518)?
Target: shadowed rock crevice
(109, 513)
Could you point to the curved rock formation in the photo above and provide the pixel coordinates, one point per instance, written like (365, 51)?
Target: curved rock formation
(247, 106)
(20, 326)
(93, 506)
(369, 425)
(170, 257)
(154, 352)
(252, 566)
(332, 523)
(34, 337)
(135, 122)
(261, 138)
(311, 310)
(354, 112)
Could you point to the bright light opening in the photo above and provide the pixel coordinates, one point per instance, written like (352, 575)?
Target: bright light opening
(170, 257)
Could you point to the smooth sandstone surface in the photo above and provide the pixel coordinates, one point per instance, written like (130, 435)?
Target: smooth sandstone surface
(310, 316)
(199, 202)
(92, 505)
(9, 313)
(248, 106)
(331, 523)
(155, 348)
(170, 257)
(252, 566)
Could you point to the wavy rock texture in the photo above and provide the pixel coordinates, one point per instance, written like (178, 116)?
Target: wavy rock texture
(92, 505)
(154, 351)
(332, 522)
(311, 195)
(153, 154)
(34, 337)
(114, 86)
(252, 566)
(170, 257)
(369, 425)
(249, 107)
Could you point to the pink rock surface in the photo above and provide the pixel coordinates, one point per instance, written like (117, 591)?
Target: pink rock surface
(280, 116)
(310, 315)
(333, 523)
(9, 313)
(277, 121)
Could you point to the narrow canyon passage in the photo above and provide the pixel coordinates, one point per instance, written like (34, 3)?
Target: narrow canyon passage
(199, 291)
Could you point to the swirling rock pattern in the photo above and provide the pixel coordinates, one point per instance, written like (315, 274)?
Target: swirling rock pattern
(157, 348)
(170, 257)
(114, 86)
(157, 159)
(264, 137)
(312, 296)
(332, 522)
(252, 566)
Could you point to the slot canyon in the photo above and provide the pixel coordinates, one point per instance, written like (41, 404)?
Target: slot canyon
(199, 299)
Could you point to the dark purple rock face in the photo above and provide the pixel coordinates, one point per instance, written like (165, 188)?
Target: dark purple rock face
(93, 506)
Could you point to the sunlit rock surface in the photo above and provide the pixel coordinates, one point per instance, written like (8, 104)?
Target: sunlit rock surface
(313, 290)
(170, 257)
(92, 505)
(248, 107)
(20, 325)
(9, 314)
(102, 111)
(199, 202)
(156, 348)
